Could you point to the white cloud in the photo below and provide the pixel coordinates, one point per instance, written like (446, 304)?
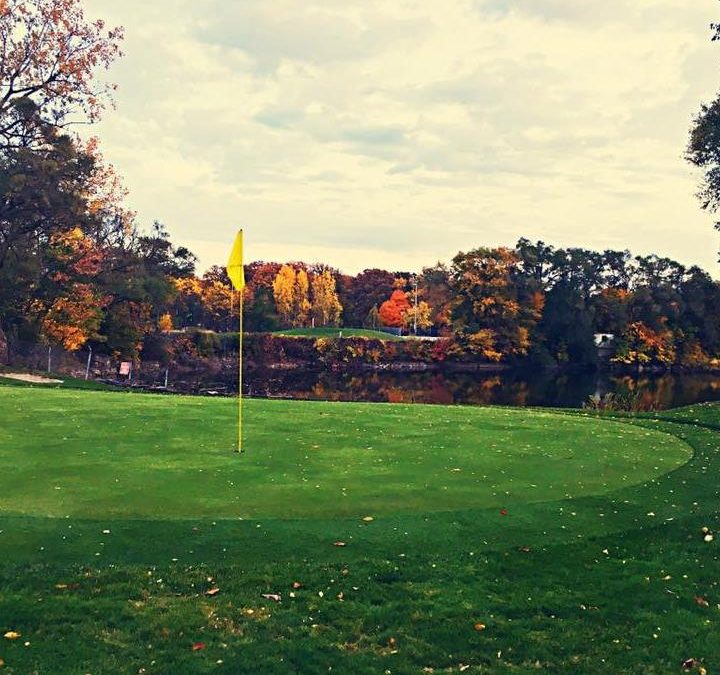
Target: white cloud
(398, 132)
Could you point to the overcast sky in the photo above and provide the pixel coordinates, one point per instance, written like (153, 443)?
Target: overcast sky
(393, 133)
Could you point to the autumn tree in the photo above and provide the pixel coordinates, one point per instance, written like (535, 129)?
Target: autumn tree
(301, 298)
(372, 320)
(420, 315)
(165, 323)
(50, 55)
(291, 292)
(74, 318)
(392, 311)
(284, 293)
(326, 307)
(494, 312)
(67, 301)
(261, 274)
(370, 287)
(260, 311)
(434, 286)
(641, 345)
(40, 194)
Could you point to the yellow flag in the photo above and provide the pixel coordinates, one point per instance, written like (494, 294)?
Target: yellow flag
(235, 269)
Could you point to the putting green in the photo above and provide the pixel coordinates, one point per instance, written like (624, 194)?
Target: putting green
(116, 455)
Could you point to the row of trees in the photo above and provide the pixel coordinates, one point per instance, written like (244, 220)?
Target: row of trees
(544, 304)
(532, 303)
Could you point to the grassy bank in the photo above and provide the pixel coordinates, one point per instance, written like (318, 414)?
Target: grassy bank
(503, 540)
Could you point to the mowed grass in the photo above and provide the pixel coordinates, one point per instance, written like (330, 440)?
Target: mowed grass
(339, 332)
(156, 457)
(501, 540)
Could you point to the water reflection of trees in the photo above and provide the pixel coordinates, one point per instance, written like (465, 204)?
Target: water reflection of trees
(516, 389)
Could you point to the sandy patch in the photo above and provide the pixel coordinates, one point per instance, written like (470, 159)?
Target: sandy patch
(35, 379)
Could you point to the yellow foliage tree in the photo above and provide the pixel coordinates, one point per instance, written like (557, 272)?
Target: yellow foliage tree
(326, 307)
(165, 323)
(284, 293)
(301, 300)
(423, 311)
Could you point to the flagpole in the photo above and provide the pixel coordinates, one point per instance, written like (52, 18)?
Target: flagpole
(236, 274)
(240, 377)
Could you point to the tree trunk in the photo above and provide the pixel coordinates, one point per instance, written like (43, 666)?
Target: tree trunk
(3, 348)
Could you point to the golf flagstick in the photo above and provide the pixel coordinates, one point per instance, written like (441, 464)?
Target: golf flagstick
(240, 373)
(236, 272)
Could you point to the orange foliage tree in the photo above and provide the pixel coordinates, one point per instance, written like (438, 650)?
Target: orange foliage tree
(70, 306)
(74, 317)
(392, 311)
(643, 345)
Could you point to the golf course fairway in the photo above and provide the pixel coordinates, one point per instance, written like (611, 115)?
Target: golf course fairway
(353, 538)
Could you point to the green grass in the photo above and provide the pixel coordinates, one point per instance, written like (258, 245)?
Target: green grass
(335, 333)
(575, 540)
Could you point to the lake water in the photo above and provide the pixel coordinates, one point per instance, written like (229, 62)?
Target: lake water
(567, 390)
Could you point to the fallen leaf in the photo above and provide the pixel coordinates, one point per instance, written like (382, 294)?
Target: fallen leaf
(701, 601)
(503, 512)
(198, 646)
(275, 597)
(296, 585)
(11, 635)
(339, 543)
(479, 627)
(212, 591)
